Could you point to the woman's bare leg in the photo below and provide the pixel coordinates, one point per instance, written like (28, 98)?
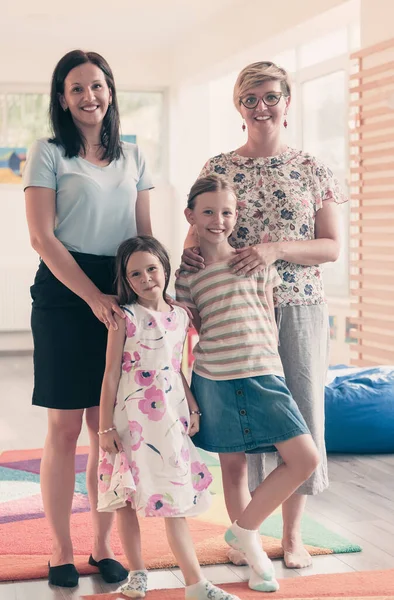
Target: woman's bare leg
(57, 478)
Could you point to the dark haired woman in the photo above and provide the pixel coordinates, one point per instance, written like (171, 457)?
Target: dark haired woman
(86, 192)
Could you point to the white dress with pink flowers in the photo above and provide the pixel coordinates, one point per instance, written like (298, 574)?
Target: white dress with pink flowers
(159, 470)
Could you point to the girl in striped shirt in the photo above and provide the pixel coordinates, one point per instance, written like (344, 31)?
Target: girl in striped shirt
(238, 379)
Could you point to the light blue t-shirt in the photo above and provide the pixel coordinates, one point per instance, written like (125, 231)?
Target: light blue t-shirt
(95, 206)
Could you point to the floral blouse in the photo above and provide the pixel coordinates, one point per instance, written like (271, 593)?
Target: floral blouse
(278, 198)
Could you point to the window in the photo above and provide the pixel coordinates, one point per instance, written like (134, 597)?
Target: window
(24, 118)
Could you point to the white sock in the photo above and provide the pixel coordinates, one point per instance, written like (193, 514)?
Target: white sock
(260, 584)
(248, 541)
(205, 590)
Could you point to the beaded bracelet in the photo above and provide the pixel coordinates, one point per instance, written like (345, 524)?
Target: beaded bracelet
(196, 412)
(106, 430)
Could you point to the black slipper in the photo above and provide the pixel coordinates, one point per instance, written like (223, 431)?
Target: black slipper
(110, 570)
(63, 575)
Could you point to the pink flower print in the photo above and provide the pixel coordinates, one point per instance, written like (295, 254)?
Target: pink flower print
(185, 454)
(124, 463)
(174, 460)
(201, 477)
(170, 320)
(177, 356)
(153, 404)
(105, 470)
(145, 378)
(185, 423)
(135, 472)
(126, 362)
(130, 328)
(149, 323)
(159, 506)
(136, 434)
(129, 362)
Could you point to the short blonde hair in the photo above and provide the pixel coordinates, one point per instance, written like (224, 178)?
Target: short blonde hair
(255, 74)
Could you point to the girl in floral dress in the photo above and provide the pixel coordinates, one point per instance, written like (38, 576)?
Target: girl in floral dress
(148, 464)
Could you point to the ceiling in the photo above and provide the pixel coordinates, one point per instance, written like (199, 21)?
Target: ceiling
(143, 25)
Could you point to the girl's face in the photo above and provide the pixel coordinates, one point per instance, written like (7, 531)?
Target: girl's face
(146, 276)
(214, 215)
(86, 95)
(264, 120)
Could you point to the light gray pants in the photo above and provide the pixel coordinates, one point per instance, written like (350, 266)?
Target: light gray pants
(303, 348)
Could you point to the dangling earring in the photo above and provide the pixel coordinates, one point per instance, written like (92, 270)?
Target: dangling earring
(285, 123)
(243, 126)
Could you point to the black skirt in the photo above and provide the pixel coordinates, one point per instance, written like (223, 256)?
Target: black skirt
(69, 341)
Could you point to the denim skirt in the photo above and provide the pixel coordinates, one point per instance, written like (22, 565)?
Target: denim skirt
(245, 415)
(69, 341)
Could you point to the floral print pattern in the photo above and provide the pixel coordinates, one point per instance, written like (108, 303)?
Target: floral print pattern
(153, 404)
(159, 470)
(278, 198)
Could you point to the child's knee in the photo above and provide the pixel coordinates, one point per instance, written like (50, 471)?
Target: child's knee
(234, 468)
(311, 461)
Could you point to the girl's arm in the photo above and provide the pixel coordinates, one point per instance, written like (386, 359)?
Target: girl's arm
(41, 214)
(196, 319)
(110, 441)
(193, 407)
(270, 299)
(142, 213)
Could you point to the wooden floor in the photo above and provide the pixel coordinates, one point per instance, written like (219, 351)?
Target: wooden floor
(358, 505)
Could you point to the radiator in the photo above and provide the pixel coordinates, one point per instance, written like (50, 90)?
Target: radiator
(15, 301)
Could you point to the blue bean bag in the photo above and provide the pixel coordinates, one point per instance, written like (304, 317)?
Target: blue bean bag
(359, 409)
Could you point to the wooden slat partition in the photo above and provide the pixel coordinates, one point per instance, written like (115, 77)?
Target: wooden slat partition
(372, 204)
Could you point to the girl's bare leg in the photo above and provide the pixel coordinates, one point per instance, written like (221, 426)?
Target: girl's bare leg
(102, 521)
(197, 587)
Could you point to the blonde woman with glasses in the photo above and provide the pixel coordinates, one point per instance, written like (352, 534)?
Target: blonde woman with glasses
(287, 216)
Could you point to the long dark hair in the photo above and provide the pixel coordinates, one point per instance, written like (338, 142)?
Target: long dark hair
(140, 243)
(66, 133)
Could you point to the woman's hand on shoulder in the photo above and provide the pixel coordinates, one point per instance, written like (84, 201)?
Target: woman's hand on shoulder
(253, 259)
(192, 261)
(173, 302)
(110, 442)
(105, 307)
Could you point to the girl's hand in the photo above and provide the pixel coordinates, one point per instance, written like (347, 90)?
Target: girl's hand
(254, 259)
(194, 426)
(191, 261)
(104, 306)
(110, 442)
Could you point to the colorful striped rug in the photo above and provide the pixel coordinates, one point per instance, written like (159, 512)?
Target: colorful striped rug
(25, 537)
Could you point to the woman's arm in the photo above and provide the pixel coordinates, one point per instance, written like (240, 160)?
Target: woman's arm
(192, 239)
(110, 442)
(142, 213)
(41, 213)
(324, 248)
(326, 245)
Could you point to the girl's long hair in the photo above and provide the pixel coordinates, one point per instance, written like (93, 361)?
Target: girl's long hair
(65, 132)
(140, 243)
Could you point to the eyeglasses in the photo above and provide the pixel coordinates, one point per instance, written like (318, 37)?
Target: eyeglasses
(269, 99)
